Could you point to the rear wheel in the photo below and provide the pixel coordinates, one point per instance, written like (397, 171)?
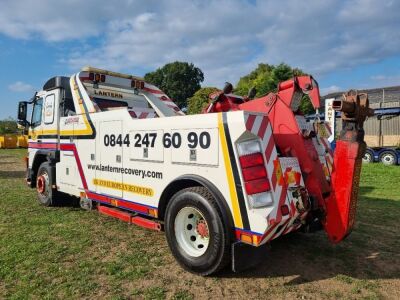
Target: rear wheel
(44, 185)
(388, 158)
(195, 232)
(368, 157)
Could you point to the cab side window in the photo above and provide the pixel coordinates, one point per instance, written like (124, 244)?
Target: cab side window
(68, 107)
(37, 112)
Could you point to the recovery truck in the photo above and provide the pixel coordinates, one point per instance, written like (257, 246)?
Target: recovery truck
(222, 185)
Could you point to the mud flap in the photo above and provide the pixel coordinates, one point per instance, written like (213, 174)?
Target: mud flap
(245, 256)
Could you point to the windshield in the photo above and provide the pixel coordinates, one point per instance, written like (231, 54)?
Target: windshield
(37, 112)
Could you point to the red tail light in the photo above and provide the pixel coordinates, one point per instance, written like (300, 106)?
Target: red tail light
(251, 160)
(253, 173)
(253, 170)
(257, 186)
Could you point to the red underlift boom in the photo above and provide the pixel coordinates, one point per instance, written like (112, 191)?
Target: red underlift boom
(333, 200)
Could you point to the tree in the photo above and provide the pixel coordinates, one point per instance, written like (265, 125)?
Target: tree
(265, 79)
(179, 80)
(199, 100)
(8, 126)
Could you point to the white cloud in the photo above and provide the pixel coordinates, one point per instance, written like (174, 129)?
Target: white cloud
(225, 38)
(20, 87)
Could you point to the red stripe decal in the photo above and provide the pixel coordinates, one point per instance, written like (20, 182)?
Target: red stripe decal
(269, 231)
(153, 91)
(263, 127)
(121, 203)
(250, 122)
(72, 147)
(292, 209)
(42, 145)
(270, 147)
(281, 202)
(274, 179)
(283, 226)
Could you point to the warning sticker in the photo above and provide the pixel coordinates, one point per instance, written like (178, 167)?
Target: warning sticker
(135, 189)
(291, 171)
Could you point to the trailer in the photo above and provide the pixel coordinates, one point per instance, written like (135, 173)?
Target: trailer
(382, 131)
(383, 134)
(221, 185)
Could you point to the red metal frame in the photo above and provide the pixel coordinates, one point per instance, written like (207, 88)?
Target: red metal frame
(129, 218)
(336, 200)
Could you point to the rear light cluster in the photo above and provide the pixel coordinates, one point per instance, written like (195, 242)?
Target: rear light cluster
(138, 84)
(97, 77)
(254, 174)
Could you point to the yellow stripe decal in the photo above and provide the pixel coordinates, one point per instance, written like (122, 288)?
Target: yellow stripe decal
(237, 218)
(86, 131)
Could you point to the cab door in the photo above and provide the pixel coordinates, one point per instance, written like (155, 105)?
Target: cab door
(109, 160)
(35, 129)
(50, 124)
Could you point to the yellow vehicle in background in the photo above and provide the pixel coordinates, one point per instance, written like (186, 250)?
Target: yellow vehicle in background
(11, 141)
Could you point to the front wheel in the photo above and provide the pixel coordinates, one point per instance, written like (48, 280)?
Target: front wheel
(44, 185)
(196, 233)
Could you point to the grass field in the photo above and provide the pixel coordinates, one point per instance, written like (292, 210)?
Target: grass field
(65, 252)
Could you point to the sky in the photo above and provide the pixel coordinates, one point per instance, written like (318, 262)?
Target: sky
(343, 44)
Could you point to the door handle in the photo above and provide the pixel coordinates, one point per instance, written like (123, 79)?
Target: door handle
(39, 141)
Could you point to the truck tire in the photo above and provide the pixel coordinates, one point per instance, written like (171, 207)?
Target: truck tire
(47, 196)
(368, 157)
(388, 158)
(195, 232)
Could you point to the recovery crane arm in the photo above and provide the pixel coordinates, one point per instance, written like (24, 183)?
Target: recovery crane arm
(333, 200)
(350, 148)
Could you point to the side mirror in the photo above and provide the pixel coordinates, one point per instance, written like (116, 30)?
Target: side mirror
(22, 110)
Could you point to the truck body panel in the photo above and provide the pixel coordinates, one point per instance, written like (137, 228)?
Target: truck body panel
(127, 156)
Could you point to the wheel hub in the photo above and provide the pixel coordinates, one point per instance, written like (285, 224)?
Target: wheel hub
(202, 228)
(41, 184)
